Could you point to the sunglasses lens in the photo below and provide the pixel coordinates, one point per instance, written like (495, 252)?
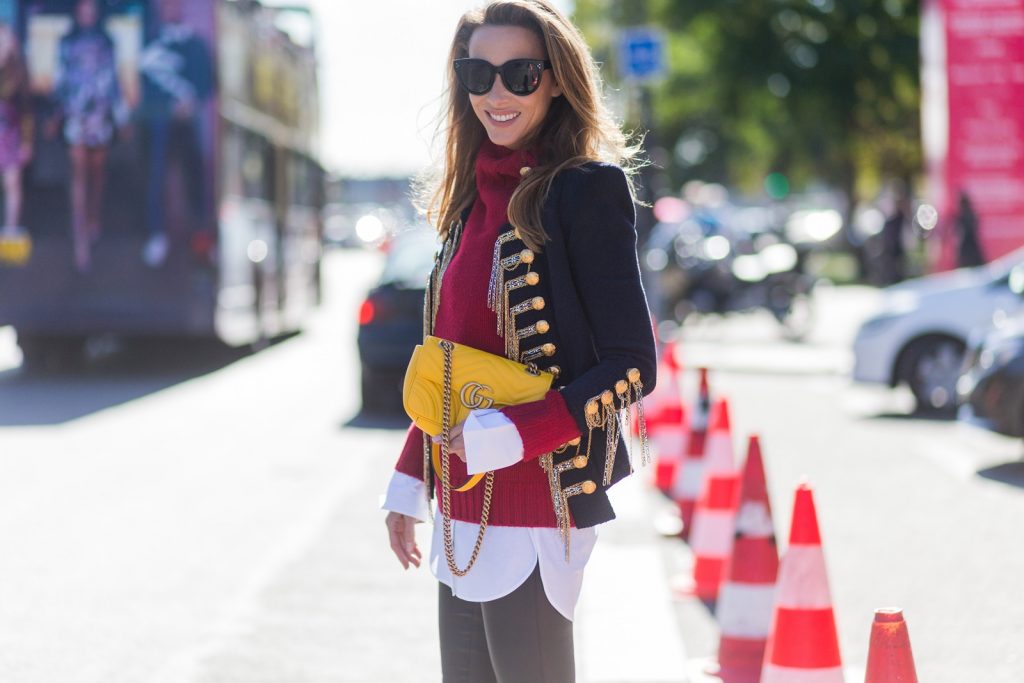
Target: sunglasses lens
(476, 76)
(521, 77)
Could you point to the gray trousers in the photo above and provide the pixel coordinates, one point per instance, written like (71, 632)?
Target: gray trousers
(519, 638)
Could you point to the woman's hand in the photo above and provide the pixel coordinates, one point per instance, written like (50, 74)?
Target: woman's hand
(456, 445)
(402, 534)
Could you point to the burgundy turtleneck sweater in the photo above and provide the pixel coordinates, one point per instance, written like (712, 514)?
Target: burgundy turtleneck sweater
(521, 494)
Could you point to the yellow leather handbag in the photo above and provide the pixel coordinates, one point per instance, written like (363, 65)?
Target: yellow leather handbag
(443, 373)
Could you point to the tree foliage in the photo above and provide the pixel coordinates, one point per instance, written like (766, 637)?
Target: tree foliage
(821, 90)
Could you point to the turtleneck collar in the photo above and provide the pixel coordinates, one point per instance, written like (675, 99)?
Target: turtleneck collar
(499, 165)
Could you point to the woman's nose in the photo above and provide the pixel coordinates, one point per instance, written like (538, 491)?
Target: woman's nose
(498, 91)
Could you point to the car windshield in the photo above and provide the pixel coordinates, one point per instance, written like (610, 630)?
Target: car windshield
(410, 259)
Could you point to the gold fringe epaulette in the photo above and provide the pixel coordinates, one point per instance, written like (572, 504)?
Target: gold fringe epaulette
(496, 282)
(602, 412)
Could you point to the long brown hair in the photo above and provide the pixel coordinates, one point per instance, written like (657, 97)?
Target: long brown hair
(578, 127)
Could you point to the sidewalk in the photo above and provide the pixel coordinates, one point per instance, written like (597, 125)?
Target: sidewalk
(334, 605)
(626, 625)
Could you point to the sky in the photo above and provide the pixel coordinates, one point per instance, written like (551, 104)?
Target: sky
(381, 79)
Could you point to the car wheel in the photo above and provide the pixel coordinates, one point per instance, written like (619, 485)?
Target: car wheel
(931, 368)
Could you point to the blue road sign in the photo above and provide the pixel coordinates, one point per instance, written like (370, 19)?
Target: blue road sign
(642, 54)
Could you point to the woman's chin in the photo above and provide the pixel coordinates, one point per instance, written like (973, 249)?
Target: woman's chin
(504, 138)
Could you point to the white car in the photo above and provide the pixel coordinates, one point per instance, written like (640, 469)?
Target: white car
(920, 333)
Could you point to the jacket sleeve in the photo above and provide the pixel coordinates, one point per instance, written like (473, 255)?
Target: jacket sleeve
(599, 224)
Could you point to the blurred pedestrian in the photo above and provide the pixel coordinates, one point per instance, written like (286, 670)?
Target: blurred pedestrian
(89, 101)
(177, 80)
(537, 216)
(894, 268)
(968, 251)
(16, 128)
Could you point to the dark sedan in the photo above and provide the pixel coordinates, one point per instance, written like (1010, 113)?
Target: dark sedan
(391, 319)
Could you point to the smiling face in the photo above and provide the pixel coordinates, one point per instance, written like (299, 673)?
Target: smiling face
(510, 119)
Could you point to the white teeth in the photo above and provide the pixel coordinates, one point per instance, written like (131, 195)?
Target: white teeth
(504, 117)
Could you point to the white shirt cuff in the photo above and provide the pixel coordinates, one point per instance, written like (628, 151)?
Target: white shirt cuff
(406, 495)
(492, 441)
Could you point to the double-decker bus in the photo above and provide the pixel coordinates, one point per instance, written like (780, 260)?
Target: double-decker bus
(160, 172)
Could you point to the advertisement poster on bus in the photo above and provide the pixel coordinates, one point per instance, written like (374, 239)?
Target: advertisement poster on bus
(106, 126)
(973, 114)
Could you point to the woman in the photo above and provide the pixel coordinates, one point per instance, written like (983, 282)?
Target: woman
(538, 265)
(89, 99)
(15, 128)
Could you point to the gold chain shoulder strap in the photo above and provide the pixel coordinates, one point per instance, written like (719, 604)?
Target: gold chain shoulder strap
(446, 488)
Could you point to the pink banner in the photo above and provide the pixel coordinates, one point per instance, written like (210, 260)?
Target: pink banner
(984, 156)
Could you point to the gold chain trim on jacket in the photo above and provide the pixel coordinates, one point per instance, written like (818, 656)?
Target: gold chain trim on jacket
(496, 283)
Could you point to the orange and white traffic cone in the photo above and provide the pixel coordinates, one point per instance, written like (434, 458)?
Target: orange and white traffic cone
(889, 657)
(744, 609)
(666, 419)
(715, 514)
(803, 645)
(690, 475)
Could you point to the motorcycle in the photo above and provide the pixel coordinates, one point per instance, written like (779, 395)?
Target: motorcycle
(702, 268)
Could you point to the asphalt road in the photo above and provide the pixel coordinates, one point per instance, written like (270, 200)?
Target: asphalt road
(178, 515)
(915, 513)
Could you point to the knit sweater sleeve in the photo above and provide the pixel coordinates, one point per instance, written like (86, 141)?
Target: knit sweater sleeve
(543, 425)
(411, 459)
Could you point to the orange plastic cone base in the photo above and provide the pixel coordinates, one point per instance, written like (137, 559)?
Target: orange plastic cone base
(890, 659)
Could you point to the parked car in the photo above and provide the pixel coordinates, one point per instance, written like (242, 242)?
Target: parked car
(391, 319)
(990, 391)
(920, 335)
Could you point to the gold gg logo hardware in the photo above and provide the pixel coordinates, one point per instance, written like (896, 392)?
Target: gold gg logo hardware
(472, 397)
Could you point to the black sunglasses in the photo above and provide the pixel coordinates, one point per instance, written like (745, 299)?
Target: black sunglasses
(520, 76)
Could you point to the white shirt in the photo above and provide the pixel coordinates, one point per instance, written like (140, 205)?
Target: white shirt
(509, 554)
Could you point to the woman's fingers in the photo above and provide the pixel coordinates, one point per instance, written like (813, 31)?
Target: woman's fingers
(402, 535)
(456, 445)
(398, 549)
(412, 551)
(397, 545)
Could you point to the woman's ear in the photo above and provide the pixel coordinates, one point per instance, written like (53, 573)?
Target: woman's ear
(556, 90)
